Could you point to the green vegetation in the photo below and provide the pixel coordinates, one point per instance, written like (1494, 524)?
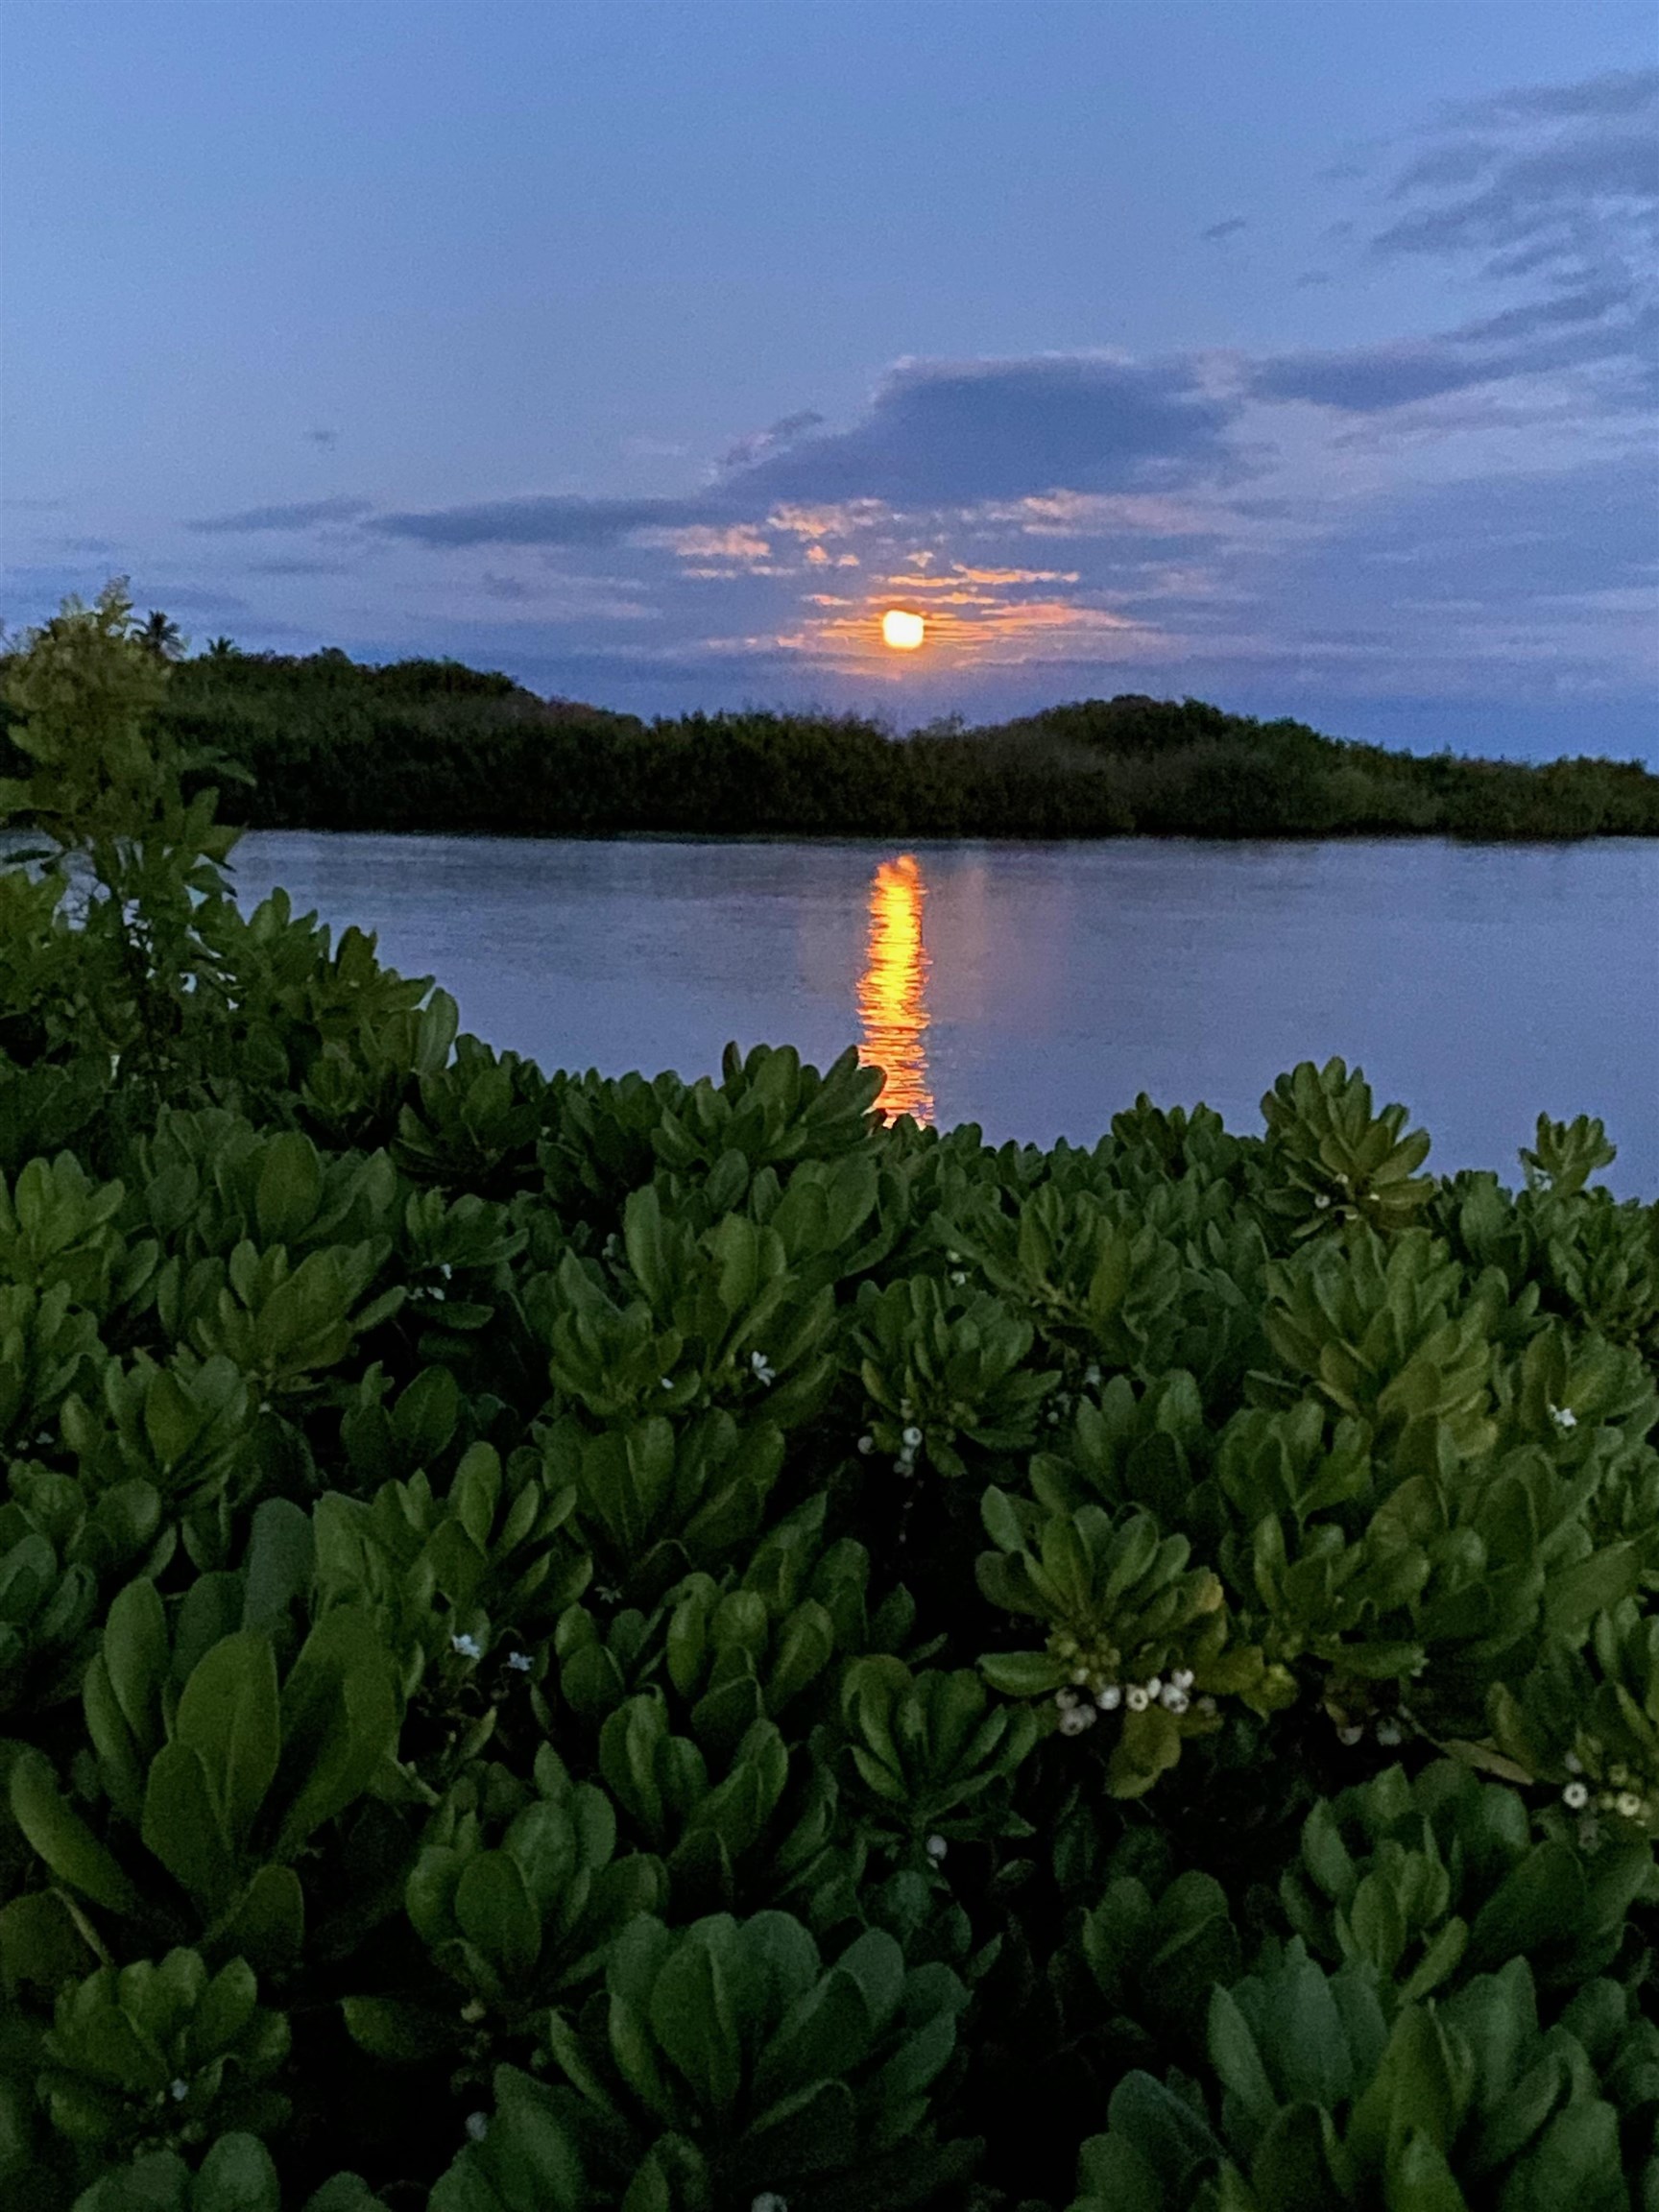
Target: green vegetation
(571, 1643)
(430, 745)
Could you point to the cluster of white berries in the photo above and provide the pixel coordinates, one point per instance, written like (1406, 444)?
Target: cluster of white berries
(762, 1367)
(1087, 1694)
(909, 1443)
(1618, 1798)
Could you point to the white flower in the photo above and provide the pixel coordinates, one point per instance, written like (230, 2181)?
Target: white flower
(445, 1269)
(1136, 1698)
(477, 2126)
(1349, 1735)
(1322, 1202)
(1564, 1416)
(958, 1275)
(1389, 1732)
(1065, 1699)
(180, 2090)
(520, 1662)
(952, 1257)
(1076, 1718)
(1174, 1700)
(469, 1646)
(1575, 1796)
(1155, 1686)
(769, 2201)
(1572, 1763)
(911, 1437)
(764, 1372)
(1629, 1803)
(438, 1294)
(936, 1848)
(866, 1444)
(1091, 1377)
(1109, 1698)
(667, 1381)
(1182, 1677)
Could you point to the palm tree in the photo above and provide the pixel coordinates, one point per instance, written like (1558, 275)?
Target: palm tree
(160, 634)
(221, 649)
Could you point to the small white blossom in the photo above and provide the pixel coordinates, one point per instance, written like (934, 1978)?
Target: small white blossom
(1322, 1202)
(1629, 1803)
(445, 1269)
(958, 1275)
(1136, 1698)
(180, 2090)
(1080, 1674)
(1109, 1698)
(952, 1257)
(520, 1662)
(769, 2201)
(911, 1437)
(866, 1445)
(477, 2126)
(469, 1646)
(667, 1381)
(1575, 1796)
(1064, 1698)
(1349, 1735)
(936, 1848)
(1564, 1416)
(1572, 1763)
(1174, 1700)
(439, 1295)
(1076, 1718)
(1389, 1732)
(605, 1594)
(1155, 1686)
(1182, 1677)
(1091, 1377)
(764, 1372)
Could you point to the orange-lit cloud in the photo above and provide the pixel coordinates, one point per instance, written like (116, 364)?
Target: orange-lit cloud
(699, 542)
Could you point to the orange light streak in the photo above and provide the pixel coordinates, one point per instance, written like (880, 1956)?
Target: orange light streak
(893, 989)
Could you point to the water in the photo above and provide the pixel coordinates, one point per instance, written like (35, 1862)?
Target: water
(1035, 989)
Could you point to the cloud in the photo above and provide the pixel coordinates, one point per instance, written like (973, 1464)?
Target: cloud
(1570, 202)
(703, 541)
(942, 434)
(297, 568)
(760, 443)
(306, 515)
(1226, 230)
(559, 520)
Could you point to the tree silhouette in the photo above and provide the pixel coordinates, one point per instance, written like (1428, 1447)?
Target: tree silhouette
(160, 634)
(221, 649)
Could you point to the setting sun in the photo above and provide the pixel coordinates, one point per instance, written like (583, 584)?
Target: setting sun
(902, 631)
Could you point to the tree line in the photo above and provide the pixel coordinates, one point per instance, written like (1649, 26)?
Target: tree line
(320, 741)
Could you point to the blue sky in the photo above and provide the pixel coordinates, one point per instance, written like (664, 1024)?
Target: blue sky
(1295, 355)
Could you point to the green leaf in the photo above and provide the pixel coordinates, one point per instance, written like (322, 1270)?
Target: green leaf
(228, 1715)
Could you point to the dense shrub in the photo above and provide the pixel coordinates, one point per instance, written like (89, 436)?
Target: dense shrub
(431, 745)
(572, 1643)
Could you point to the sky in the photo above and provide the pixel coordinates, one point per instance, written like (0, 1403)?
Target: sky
(1299, 355)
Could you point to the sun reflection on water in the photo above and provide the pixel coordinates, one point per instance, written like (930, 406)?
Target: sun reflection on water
(893, 989)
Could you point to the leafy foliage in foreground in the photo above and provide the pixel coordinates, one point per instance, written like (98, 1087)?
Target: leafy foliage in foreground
(570, 1642)
(433, 745)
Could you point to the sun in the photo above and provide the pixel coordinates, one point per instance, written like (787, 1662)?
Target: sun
(903, 631)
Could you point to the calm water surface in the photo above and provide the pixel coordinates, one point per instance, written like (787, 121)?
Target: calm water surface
(1035, 989)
